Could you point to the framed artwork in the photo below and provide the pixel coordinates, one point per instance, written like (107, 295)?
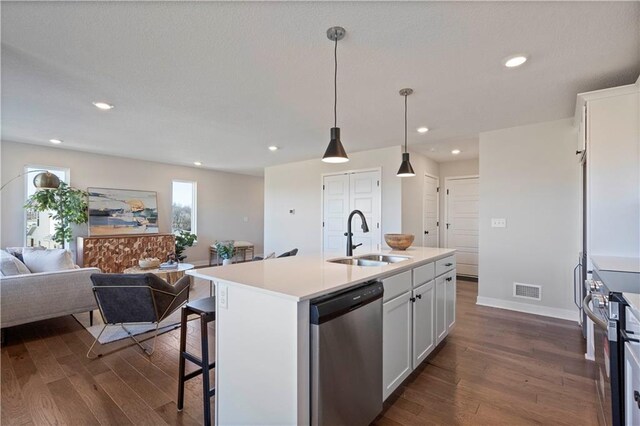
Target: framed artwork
(122, 212)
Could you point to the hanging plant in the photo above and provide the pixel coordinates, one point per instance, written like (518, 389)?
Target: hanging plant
(65, 205)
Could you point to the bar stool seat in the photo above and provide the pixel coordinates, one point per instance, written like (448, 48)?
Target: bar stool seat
(206, 309)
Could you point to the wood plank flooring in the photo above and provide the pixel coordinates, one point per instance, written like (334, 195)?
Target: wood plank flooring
(497, 367)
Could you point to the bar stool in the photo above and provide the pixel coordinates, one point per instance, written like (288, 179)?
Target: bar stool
(206, 308)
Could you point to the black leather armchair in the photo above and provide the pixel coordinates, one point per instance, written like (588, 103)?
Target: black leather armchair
(137, 298)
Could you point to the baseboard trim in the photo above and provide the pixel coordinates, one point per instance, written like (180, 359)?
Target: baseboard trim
(544, 311)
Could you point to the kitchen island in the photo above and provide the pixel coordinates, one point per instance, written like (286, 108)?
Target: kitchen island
(263, 326)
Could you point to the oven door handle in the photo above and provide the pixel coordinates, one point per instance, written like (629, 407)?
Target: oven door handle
(627, 338)
(587, 310)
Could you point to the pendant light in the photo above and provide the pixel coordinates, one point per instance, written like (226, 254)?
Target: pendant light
(405, 169)
(335, 152)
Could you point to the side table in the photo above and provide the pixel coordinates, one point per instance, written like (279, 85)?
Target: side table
(169, 275)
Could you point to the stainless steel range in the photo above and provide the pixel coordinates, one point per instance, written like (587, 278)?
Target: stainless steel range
(607, 308)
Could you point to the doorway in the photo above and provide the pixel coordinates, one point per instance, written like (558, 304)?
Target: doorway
(343, 193)
(431, 211)
(461, 221)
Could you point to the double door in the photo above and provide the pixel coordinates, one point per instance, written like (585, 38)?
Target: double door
(343, 193)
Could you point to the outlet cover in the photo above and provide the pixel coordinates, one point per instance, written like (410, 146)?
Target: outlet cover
(498, 222)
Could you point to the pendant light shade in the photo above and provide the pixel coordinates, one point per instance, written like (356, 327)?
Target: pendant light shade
(335, 152)
(405, 169)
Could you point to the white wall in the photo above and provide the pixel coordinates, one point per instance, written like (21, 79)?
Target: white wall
(529, 175)
(224, 199)
(450, 169)
(299, 185)
(412, 195)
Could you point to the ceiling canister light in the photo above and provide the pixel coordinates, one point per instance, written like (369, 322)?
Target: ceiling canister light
(335, 152)
(405, 169)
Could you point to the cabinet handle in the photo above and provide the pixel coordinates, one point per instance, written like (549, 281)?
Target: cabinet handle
(426, 232)
(636, 397)
(413, 299)
(419, 296)
(448, 264)
(449, 278)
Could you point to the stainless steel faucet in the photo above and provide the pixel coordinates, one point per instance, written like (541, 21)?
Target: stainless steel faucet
(349, 234)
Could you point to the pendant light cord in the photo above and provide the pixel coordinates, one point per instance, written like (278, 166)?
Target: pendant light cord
(335, 84)
(405, 123)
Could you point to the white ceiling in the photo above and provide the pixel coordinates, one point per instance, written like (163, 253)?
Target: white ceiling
(219, 82)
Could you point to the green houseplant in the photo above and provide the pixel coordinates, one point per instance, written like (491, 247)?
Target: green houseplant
(184, 239)
(66, 205)
(225, 250)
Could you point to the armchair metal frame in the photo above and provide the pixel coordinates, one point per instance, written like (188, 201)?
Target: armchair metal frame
(167, 311)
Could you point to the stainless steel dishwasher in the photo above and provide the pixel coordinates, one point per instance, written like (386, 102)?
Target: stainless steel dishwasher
(346, 357)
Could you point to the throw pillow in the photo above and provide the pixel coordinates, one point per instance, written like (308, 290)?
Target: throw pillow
(11, 265)
(17, 251)
(47, 260)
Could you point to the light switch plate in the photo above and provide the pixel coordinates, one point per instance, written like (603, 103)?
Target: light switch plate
(498, 222)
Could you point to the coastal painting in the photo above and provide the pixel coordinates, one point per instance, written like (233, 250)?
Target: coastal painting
(122, 212)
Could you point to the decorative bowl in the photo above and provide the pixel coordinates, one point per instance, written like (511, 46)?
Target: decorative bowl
(399, 241)
(149, 263)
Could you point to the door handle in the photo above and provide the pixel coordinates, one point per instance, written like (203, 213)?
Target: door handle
(636, 397)
(448, 225)
(426, 232)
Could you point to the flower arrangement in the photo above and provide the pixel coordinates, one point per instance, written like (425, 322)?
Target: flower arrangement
(224, 249)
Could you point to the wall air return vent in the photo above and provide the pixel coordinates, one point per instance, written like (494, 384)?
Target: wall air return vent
(527, 291)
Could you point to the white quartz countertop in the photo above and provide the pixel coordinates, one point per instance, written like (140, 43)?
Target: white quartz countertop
(305, 277)
(616, 263)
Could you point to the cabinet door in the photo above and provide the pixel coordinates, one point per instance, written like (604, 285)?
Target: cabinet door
(423, 316)
(441, 324)
(396, 342)
(450, 300)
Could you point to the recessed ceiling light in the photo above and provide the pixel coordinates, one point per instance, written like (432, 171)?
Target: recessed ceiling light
(273, 148)
(515, 61)
(197, 163)
(103, 106)
(55, 141)
(456, 151)
(422, 129)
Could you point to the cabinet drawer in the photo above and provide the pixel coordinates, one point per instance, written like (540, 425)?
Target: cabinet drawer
(396, 285)
(423, 274)
(445, 265)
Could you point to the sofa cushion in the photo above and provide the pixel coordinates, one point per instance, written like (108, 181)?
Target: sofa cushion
(11, 265)
(48, 260)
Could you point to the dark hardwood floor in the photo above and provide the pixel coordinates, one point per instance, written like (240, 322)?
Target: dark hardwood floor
(497, 367)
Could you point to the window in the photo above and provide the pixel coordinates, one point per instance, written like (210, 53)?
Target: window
(39, 226)
(183, 212)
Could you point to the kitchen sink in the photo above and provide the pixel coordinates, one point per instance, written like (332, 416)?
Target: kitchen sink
(357, 262)
(386, 258)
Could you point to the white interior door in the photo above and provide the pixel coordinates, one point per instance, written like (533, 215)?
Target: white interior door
(365, 196)
(430, 235)
(461, 233)
(335, 211)
(346, 192)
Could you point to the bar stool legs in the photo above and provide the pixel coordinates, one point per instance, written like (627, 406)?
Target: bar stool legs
(206, 309)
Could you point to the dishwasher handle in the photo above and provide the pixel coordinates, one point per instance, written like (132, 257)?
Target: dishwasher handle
(332, 306)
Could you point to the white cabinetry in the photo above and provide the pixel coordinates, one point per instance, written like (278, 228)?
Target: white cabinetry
(413, 309)
(423, 334)
(609, 130)
(396, 338)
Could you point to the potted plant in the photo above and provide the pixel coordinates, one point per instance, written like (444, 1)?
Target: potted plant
(66, 205)
(184, 239)
(225, 250)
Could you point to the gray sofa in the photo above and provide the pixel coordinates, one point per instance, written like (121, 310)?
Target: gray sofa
(32, 297)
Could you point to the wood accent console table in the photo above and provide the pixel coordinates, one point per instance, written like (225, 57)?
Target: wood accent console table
(241, 248)
(114, 254)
